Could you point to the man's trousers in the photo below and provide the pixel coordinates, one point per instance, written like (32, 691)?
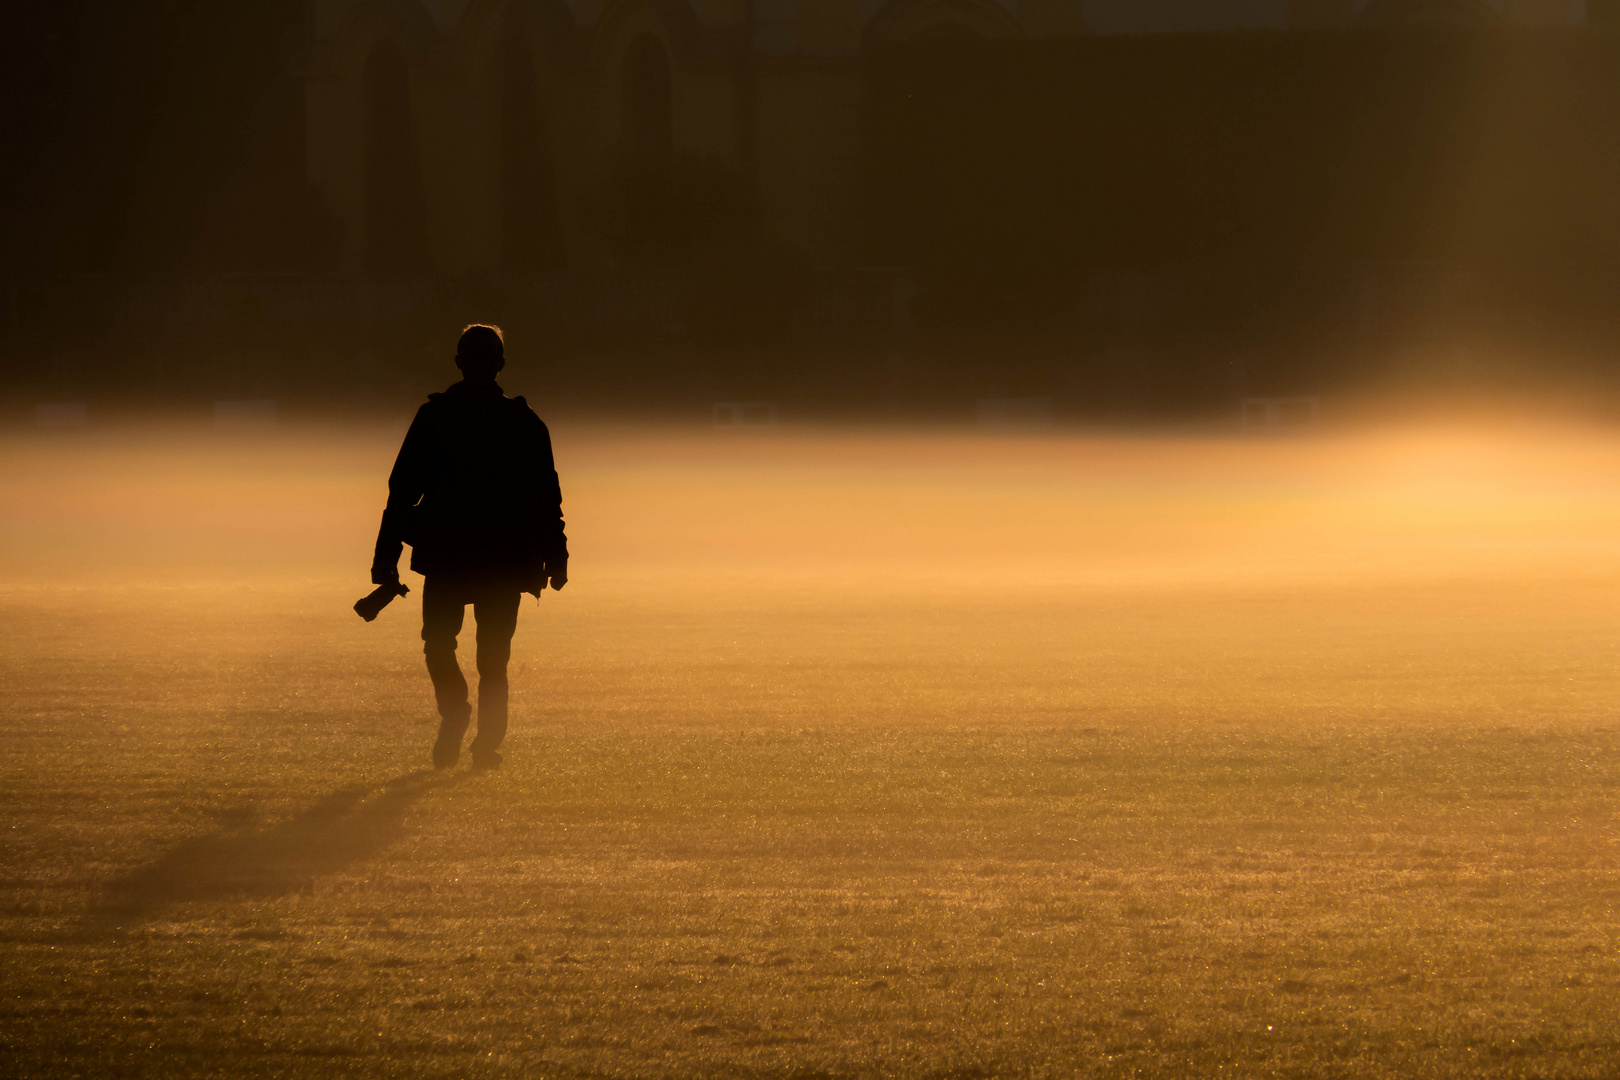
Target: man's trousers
(495, 608)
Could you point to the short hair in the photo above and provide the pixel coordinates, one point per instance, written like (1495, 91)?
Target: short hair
(481, 341)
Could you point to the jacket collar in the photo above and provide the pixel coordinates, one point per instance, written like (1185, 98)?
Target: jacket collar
(465, 389)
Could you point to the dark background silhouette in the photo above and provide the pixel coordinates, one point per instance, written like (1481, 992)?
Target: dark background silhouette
(144, 138)
(1131, 225)
(1306, 203)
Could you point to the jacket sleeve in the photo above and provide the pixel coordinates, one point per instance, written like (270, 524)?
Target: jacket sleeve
(548, 498)
(406, 485)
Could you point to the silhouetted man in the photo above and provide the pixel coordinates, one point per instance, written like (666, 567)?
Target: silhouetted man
(474, 492)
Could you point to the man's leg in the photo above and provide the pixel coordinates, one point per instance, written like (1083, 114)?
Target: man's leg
(496, 611)
(444, 606)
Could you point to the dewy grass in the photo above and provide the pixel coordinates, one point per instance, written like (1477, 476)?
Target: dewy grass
(1352, 817)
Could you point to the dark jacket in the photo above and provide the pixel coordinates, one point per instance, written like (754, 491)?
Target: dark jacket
(474, 492)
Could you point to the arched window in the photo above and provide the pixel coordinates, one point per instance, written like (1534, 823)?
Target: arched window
(649, 120)
(391, 176)
(530, 236)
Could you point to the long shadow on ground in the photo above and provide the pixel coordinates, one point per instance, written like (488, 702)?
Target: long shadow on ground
(351, 824)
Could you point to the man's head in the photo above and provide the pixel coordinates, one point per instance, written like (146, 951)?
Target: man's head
(481, 352)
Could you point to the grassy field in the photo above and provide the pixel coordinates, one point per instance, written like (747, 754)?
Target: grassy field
(844, 754)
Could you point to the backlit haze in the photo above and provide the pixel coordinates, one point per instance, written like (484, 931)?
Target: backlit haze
(852, 510)
(1373, 568)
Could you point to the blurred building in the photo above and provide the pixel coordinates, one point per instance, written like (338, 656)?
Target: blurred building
(514, 137)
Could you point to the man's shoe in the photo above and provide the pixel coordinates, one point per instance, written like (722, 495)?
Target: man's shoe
(486, 759)
(447, 748)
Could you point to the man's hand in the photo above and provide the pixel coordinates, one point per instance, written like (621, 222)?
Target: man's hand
(385, 575)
